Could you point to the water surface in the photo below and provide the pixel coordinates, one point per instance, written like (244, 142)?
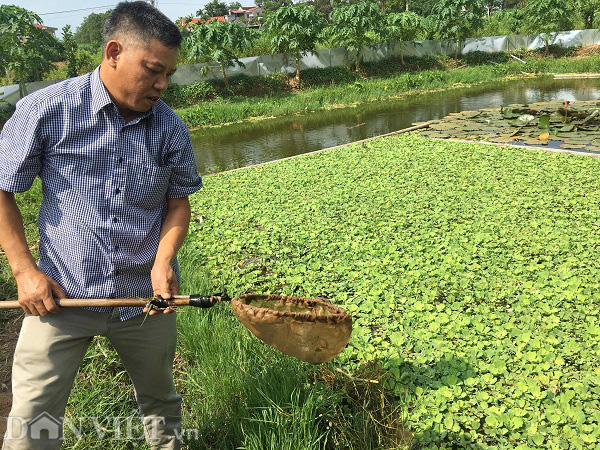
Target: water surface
(245, 144)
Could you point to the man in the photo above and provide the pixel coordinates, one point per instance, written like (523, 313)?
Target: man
(117, 167)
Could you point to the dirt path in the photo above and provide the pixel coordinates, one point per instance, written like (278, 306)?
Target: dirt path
(10, 324)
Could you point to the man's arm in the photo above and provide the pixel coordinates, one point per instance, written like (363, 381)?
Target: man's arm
(36, 289)
(172, 235)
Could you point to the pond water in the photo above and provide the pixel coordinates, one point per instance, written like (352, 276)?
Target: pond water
(245, 144)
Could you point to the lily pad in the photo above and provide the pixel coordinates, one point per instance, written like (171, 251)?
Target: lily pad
(571, 146)
(544, 122)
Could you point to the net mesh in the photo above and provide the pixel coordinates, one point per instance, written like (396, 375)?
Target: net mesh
(311, 330)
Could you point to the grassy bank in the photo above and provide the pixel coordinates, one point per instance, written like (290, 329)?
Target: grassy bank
(337, 87)
(471, 274)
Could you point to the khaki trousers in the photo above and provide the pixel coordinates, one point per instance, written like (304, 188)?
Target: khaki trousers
(49, 352)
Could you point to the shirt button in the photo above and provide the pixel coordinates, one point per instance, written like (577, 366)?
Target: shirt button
(120, 159)
(117, 248)
(117, 191)
(115, 219)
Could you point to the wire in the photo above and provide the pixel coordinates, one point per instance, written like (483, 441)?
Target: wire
(76, 10)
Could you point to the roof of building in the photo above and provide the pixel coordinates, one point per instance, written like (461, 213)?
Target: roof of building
(216, 18)
(44, 27)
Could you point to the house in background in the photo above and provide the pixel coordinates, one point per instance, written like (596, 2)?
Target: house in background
(50, 30)
(248, 15)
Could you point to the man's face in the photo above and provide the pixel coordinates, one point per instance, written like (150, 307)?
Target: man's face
(141, 75)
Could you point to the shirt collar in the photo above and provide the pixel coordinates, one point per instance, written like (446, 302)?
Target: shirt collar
(100, 97)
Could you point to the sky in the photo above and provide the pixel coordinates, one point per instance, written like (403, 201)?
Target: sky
(58, 13)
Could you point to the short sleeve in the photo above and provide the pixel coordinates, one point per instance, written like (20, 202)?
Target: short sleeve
(20, 148)
(180, 158)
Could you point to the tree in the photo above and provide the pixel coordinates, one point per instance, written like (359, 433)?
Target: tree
(270, 6)
(323, 6)
(70, 52)
(91, 29)
(294, 29)
(424, 8)
(25, 51)
(590, 12)
(234, 5)
(214, 8)
(403, 27)
(548, 16)
(219, 42)
(356, 26)
(457, 19)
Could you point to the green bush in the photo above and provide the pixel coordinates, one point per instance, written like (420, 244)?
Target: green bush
(6, 111)
(479, 58)
(178, 95)
(327, 75)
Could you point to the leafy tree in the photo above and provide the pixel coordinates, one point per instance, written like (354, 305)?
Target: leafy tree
(403, 27)
(294, 29)
(323, 6)
(423, 8)
(214, 8)
(25, 51)
(458, 19)
(590, 12)
(548, 16)
(235, 5)
(219, 42)
(503, 22)
(270, 6)
(70, 52)
(90, 31)
(356, 26)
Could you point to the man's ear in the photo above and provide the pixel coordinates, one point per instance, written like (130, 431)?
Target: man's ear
(112, 51)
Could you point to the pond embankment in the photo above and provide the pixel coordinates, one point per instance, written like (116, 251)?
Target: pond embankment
(344, 92)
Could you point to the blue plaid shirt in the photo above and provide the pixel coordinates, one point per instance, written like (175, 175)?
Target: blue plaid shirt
(105, 184)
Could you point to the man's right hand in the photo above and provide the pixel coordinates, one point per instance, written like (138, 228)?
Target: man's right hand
(37, 292)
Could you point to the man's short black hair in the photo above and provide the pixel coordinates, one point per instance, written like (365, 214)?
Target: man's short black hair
(140, 21)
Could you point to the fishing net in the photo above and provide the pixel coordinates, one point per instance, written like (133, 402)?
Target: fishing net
(312, 330)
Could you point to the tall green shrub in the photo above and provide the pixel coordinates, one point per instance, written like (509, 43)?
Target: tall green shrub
(220, 42)
(356, 26)
(548, 16)
(403, 27)
(294, 29)
(26, 52)
(456, 20)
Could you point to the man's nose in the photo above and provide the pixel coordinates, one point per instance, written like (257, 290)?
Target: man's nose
(161, 83)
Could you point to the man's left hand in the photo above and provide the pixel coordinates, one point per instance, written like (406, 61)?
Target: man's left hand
(164, 283)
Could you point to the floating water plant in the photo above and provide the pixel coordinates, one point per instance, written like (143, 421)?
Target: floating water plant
(570, 125)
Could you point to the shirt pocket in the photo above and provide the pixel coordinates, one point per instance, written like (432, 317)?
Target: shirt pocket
(147, 185)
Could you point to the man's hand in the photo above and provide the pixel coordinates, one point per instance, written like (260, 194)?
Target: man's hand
(37, 292)
(172, 234)
(164, 283)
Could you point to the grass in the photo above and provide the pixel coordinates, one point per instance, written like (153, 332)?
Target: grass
(341, 89)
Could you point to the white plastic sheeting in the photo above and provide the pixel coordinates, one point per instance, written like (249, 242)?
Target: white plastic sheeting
(340, 57)
(268, 64)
